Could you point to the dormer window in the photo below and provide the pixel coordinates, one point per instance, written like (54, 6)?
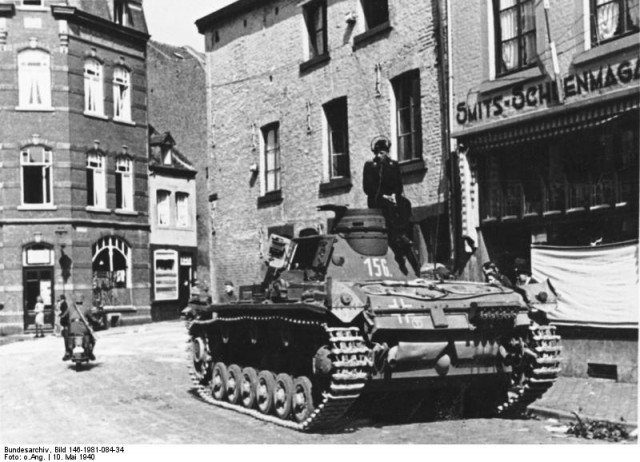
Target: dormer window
(122, 13)
(167, 156)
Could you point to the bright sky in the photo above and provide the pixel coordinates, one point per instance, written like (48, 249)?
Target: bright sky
(172, 21)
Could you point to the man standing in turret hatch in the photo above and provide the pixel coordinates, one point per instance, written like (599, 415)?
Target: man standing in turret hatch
(382, 183)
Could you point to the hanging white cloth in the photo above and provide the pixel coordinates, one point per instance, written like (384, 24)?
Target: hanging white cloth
(596, 286)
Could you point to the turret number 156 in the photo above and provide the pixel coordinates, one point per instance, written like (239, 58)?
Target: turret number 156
(377, 267)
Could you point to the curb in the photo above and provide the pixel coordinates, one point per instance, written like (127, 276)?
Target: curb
(545, 412)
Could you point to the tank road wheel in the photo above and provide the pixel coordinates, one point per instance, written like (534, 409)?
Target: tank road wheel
(200, 356)
(264, 391)
(234, 376)
(248, 384)
(283, 396)
(219, 380)
(302, 399)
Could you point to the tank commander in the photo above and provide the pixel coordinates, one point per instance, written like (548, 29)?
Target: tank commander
(382, 183)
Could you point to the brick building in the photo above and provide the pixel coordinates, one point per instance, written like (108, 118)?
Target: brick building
(545, 106)
(296, 92)
(177, 101)
(73, 157)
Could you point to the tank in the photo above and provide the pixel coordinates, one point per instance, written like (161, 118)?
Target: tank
(338, 317)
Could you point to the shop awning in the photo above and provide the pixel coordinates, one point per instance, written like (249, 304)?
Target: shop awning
(552, 122)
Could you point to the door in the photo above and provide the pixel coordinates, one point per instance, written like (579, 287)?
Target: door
(184, 288)
(38, 282)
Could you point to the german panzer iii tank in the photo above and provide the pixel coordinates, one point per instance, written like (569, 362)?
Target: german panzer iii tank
(336, 316)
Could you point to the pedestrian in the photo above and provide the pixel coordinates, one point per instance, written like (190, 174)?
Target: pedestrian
(61, 306)
(382, 183)
(79, 318)
(39, 310)
(229, 294)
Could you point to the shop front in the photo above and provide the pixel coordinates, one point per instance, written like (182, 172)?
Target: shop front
(551, 172)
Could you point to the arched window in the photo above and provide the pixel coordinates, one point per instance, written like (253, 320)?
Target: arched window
(121, 94)
(34, 79)
(111, 265)
(93, 91)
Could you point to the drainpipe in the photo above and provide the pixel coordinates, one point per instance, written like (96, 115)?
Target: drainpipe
(554, 53)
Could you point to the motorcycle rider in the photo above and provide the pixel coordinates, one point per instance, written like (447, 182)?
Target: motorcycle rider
(79, 318)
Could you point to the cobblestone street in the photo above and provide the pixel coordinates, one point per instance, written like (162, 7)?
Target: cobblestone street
(139, 392)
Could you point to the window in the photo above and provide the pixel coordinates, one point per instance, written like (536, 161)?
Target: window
(271, 157)
(408, 122)
(515, 35)
(111, 272)
(96, 180)
(93, 92)
(165, 275)
(166, 155)
(315, 16)
(337, 138)
(32, 2)
(35, 163)
(124, 183)
(122, 13)
(613, 18)
(121, 94)
(182, 210)
(376, 12)
(34, 79)
(163, 207)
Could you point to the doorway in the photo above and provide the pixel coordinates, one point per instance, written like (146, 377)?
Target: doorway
(38, 282)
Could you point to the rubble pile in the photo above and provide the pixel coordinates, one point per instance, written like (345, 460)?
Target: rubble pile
(598, 430)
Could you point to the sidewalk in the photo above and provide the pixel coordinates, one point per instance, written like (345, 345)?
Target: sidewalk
(595, 399)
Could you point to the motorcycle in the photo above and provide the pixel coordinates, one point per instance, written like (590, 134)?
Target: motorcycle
(80, 354)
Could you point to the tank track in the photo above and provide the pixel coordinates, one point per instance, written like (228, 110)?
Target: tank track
(538, 372)
(350, 366)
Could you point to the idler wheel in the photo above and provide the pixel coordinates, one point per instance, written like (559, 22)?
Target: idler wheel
(234, 378)
(219, 380)
(248, 385)
(264, 391)
(302, 399)
(283, 396)
(200, 357)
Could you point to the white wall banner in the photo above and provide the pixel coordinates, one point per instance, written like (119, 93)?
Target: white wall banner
(597, 286)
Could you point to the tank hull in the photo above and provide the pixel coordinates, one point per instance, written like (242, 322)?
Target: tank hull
(338, 318)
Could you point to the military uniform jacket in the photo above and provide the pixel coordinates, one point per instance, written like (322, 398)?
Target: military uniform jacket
(381, 177)
(76, 323)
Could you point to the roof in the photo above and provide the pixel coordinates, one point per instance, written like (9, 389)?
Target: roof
(235, 8)
(178, 160)
(177, 53)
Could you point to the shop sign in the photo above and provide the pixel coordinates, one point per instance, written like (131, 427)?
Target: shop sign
(591, 81)
(38, 257)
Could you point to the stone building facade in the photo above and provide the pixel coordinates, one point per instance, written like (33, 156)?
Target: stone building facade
(174, 236)
(177, 102)
(545, 108)
(73, 157)
(296, 91)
